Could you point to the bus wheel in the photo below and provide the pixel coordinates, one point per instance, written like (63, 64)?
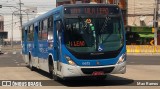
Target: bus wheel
(51, 71)
(30, 63)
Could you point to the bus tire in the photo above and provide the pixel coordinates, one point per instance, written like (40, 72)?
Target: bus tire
(30, 63)
(51, 72)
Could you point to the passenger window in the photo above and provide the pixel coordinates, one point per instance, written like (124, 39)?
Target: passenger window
(59, 26)
(40, 30)
(50, 28)
(44, 30)
(30, 33)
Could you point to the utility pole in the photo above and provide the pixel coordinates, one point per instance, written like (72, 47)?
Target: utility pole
(156, 21)
(20, 12)
(12, 30)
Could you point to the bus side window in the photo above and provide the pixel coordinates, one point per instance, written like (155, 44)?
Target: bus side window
(59, 29)
(50, 28)
(45, 30)
(40, 30)
(59, 26)
(30, 33)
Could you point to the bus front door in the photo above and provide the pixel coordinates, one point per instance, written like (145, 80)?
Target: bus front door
(57, 44)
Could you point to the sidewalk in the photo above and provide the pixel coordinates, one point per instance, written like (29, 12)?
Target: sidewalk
(8, 48)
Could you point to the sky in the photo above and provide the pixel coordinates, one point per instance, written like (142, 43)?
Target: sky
(10, 6)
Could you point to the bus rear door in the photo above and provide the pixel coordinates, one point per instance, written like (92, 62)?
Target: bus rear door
(35, 47)
(25, 49)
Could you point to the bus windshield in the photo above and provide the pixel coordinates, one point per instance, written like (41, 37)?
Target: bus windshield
(100, 34)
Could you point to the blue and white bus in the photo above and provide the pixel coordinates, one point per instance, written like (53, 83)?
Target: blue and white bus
(76, 40)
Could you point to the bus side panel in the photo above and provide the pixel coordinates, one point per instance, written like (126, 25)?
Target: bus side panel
(43, 55)
(35, 47)
(24, 42)
(30, 48)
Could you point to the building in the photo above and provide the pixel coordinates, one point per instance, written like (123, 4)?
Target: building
(10, 9)
(3, 35)
(141, 12)
(1, 23)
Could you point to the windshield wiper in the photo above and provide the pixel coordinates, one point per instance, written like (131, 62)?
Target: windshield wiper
(104, 28)
(104, 24)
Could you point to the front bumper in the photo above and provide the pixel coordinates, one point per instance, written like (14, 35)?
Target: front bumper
(75, 71)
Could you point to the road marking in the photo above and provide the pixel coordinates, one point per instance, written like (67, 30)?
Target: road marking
(6, 53)
(16, 62)
(14, 52)
(132, 62)
(23, 64)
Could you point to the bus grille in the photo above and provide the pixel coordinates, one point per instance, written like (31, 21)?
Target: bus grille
(91, 70)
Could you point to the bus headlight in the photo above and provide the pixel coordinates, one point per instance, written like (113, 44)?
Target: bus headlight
(69, 60)
(121, 58)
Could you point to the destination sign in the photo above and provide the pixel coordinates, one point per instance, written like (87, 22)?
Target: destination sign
(98, 10)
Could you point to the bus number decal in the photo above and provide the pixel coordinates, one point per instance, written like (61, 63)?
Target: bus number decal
(43, 50)
(86, 63)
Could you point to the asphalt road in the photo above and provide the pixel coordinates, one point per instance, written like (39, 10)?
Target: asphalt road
(11, 60)
(139, 68)
(143, 60)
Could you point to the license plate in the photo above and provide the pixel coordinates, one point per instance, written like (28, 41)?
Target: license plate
(96, 73)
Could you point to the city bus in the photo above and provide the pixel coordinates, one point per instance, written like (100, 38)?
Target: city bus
(79, 40)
